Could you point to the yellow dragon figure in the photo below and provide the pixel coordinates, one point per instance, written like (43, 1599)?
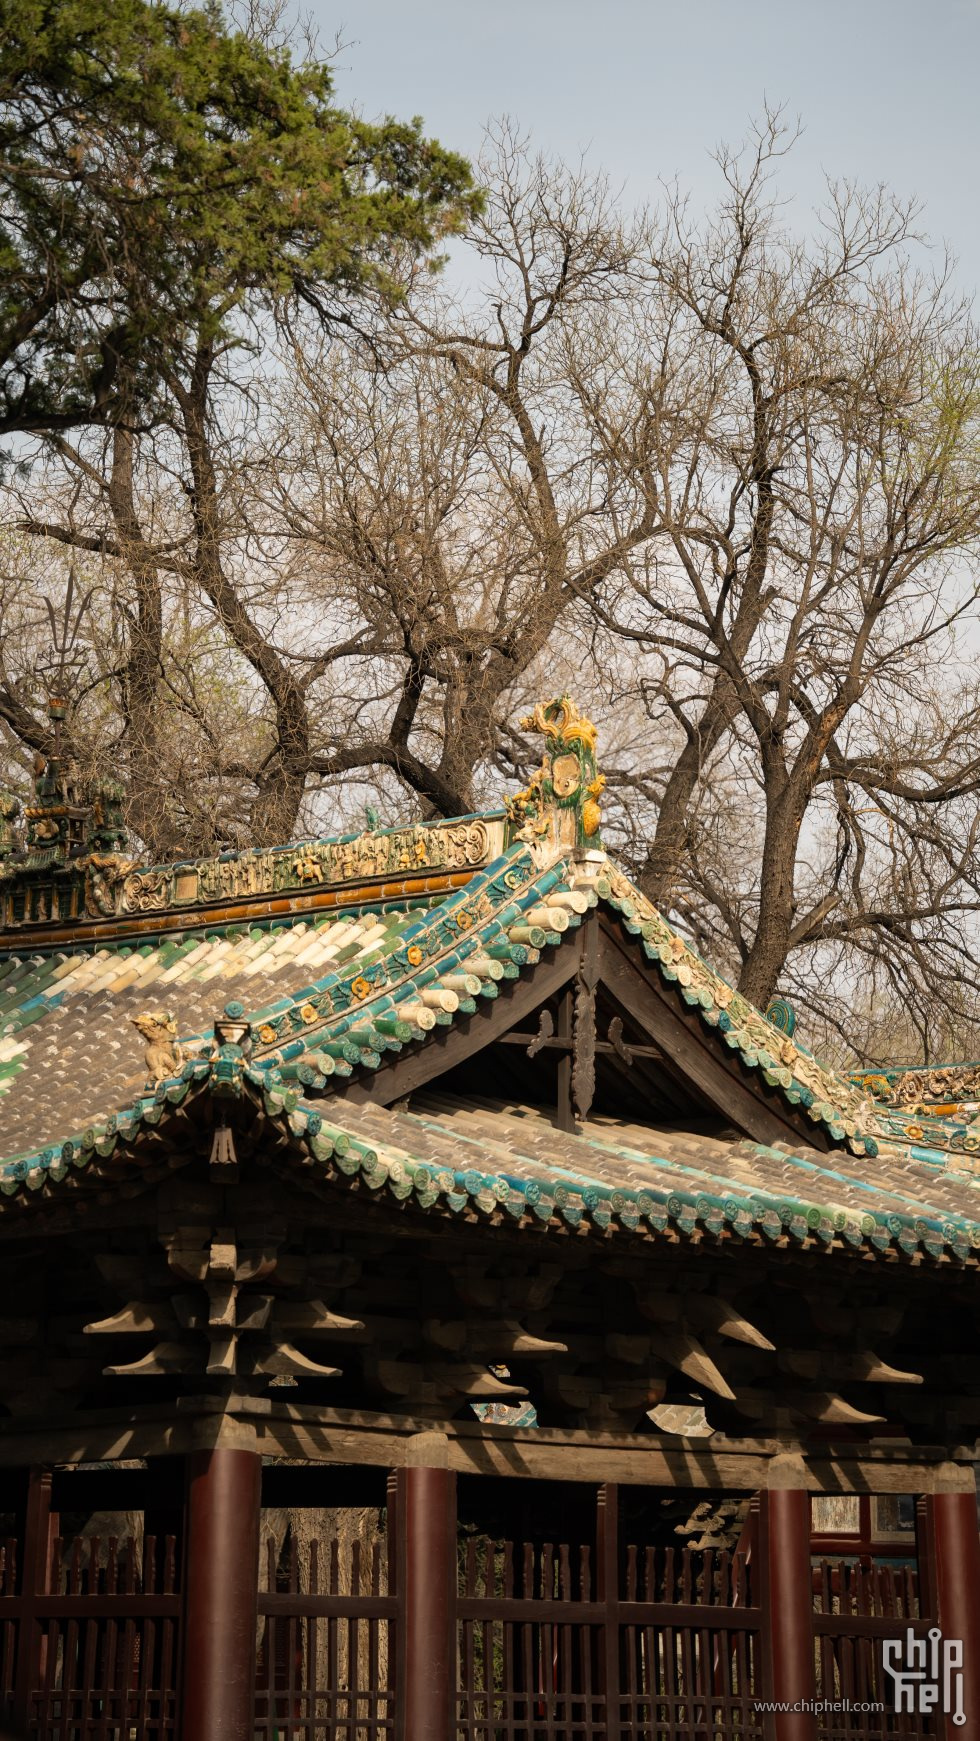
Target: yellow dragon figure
(566, 789)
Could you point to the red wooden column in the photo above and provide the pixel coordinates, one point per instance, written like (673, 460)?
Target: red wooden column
(788, 1602)
(221, 1563)
(956, 1560)
(426, 1524)
(37, 1525)
(607, 1592)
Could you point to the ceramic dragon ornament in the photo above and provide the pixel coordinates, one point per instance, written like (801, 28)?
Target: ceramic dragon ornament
(559, 808)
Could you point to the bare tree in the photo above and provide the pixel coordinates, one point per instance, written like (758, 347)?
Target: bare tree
(446, 471)
(737, 469)
(210, 721)
(719, 478)
(807, 597)
(385, 532)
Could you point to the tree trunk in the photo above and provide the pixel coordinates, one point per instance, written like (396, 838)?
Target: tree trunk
(148, 802)
(658, 877)
(764, 961)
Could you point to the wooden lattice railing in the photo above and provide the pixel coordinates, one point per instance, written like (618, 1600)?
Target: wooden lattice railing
(93, 1655)
(602, 1640)
(543, 1654)
(857, 1607)
(326, 1655)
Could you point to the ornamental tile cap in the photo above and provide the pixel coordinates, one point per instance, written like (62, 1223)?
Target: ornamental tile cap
(233, 1029)
(559, 808)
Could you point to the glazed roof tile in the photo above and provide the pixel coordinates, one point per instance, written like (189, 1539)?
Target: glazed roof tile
(308, 984)
(511, 1165)
(61, 1011)
(330, 994)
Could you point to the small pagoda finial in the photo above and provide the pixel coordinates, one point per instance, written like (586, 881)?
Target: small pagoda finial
(9, 812)
(559, 808)
(107, 829)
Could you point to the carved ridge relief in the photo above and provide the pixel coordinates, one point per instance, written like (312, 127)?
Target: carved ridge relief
(315, 864)
(107, 884)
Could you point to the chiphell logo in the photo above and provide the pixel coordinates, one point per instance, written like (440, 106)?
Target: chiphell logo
(926, 1673)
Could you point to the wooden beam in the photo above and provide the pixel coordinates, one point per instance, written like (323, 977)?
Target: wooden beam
(491, 1337)
(313, 1318)
(137, 1318)
(710, 1312)
(681, 1035)
(633, 1461)
(550, 1042)
(280, 1358)
(825, 1406)
(582, 1079)
(554, 1044)
(858, 1366)
(683, 1351)
(566, 1019)
(328, 1436)
(166, 1357)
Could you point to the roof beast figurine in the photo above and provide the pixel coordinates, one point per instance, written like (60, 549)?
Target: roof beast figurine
(559, 808)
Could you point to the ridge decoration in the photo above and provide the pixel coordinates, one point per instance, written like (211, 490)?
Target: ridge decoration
(559, 807)
(164, 1054)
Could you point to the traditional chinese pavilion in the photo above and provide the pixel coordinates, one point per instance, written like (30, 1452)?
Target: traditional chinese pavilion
(435, 1305)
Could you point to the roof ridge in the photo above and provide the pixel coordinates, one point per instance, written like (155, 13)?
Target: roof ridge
(443, 936)
(100, 897)
(344, 838)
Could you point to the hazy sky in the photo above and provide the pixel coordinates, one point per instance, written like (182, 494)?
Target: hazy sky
(886, 89)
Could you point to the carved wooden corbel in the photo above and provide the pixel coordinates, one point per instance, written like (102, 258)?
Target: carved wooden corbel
(232, 1327)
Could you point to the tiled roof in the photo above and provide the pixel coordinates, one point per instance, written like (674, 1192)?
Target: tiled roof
(436, 921)
(68, 1052)
(391, 978)
(327, 956)
(511, 1165)
(827, 1099)
(618, 1173)
(936, 1109)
